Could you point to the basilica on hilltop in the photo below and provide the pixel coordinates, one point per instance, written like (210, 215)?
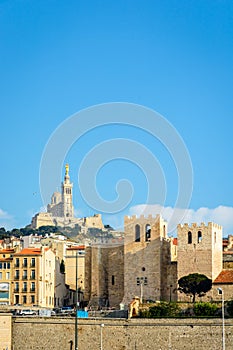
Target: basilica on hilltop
(60, 212)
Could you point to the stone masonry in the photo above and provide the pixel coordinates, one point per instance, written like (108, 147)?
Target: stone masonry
(119, 334)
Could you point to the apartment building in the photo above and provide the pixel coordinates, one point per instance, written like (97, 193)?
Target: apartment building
(34, 277)
(6, 272)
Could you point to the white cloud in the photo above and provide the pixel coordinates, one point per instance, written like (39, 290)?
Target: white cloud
(6, 220)
(221, 215)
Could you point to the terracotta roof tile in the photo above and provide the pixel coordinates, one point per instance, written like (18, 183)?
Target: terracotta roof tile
(29, 251)
(7, 251)
(80, 247)
(226, 276)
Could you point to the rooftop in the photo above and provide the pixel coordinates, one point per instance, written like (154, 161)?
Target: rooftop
(29, 251)
(226, 276)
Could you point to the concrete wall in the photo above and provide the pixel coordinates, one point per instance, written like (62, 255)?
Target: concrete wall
(120, 334)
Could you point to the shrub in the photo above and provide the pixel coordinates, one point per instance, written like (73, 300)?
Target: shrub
(230, 308)
(162, 310)
(205, 309)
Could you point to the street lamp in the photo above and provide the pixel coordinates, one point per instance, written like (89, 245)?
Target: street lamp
(101, 336)
(221, 292)
(78, 253)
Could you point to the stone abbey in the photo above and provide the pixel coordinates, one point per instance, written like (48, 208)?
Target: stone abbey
(145, 262)
(150, 263)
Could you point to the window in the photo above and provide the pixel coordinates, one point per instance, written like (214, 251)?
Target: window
(24, 286)
(16, 274)
(25, 274)
(145, 281)
(137, 233)
(8, 265)
(24, 299)
(138, 281)
(16, 299)
(32, 299)
(16, 287)
(32, 286)
(0, 275)
(113, 280)
(164, 231)
(25, 262)
(199, 237)
(189, 237)
(17, 262)
(0, 265)
(215, 238)
(148, 233)
(33, 274)
(8, 275)
(33, 262)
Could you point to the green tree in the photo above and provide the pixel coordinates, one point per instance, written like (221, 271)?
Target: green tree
(194, 285)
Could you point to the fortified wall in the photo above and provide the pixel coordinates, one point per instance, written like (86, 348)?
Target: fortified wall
(149, 273)
(117, 334)
(104, 276)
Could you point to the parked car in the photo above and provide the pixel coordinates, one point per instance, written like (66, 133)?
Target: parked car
(27, 312)
(67, 310)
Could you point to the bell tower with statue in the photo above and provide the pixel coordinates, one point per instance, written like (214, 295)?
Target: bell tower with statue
(67, 195)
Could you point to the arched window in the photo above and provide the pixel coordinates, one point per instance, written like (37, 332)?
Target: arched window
(137, 233)
(189, 237)
(199, 237)
(148, 233)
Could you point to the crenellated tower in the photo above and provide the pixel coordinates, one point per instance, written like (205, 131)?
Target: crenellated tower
(147, 254)
(199, 249)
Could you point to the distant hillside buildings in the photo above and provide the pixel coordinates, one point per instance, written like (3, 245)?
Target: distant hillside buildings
(146, 263)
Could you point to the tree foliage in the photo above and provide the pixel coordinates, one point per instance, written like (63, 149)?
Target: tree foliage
(162, 309)
(230, 308)
(205, 309)
(194, 285)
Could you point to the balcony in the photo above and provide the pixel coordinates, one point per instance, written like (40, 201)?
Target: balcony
(16, 290)
(32, 290)
(24, 265)
(16, 277)
(25, 277)
(16, 265)
(33, 264)
(24, 290)
(32, 277)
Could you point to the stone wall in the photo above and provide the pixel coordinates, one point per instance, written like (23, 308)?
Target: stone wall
(104, 276)
(5, 331)
(146, 258)
(120, 334)
(201, 254)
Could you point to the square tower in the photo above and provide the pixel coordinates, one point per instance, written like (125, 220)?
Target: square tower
(145, 238)
(199, 249)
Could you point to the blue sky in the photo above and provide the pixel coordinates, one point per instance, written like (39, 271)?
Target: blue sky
(175, 57)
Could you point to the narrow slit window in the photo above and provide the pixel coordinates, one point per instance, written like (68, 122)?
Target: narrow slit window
(189, 237)
(137, 233)
(199, 237)
(148, 233)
